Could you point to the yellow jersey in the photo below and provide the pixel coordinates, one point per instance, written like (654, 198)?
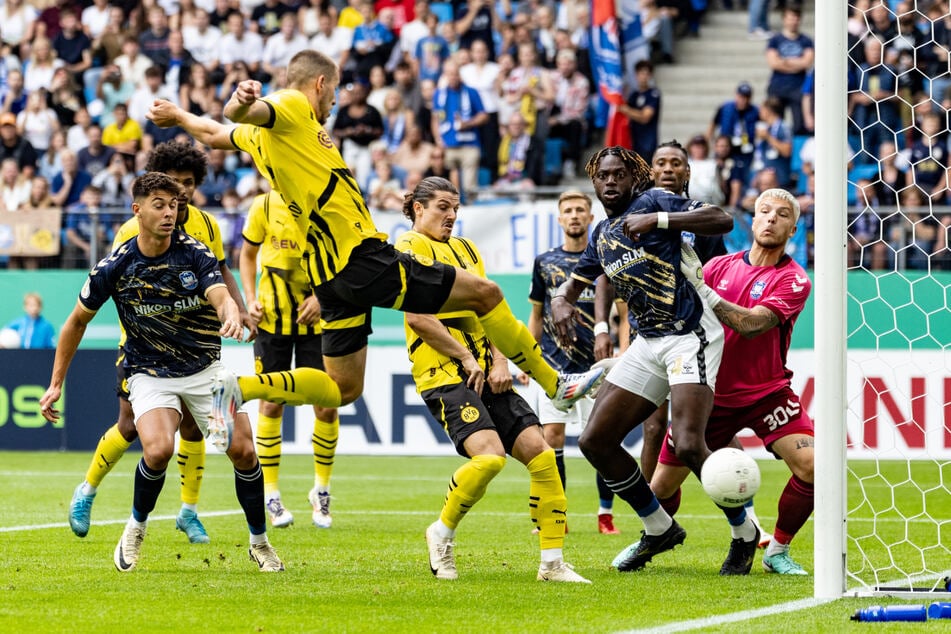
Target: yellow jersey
(298, 158)
(283, 285)
(431, 368)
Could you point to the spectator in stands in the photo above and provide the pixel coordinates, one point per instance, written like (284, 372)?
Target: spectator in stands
(64, 97)
(892, 167)
(113, 89)
(705, 179)
(76, 134)
(35, 331)
(124, 135)
(85, 239)
(283, 45)
(405, 83)
(310, 12)
(396, 119)
(350, 16)
(96, 156)
(643, 111)
(38, 70)
(94, 18)
(529, 89)
(657, 26)
(218, 181)
(458, 114)
(372, 42)
(881, 21)
(267, 17)
(14, 187)
(476, 20)
(414, 30)
(218, 17)
(115, 183)
(520, 162)
(482, 74)
(240, 46)
(67, 186)
(202, 40)
(730, 174)
(176, 62)
(13, 145)
(14, 93)
(378, 87)
(50, 164)
(403, 12)
(39, 198)
(737, 120)
(386, 191)
(72, 45)
(569, 109)
(47, 23)
(790, 54)
(430, 52)
(153, 88)
(231, 221)
(358, 124)
(758, 19)
(237, 72)
(37, 122)
(929, 160)
(423, 114)
(106, 47)
(773, 145)
(18, 19)
(132, 63)
(414, 153)
(440, 168)
(762, 180)
(153, 42)
(332, 40)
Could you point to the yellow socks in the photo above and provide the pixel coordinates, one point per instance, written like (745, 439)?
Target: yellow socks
(324, 442)
(547, 502)
(467, 487)
(268, 443)
(515, 341)
(111, 447)
(300, 386)
(191, 466)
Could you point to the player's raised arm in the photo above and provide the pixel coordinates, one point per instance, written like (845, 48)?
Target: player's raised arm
(245, 105)
(165, 114)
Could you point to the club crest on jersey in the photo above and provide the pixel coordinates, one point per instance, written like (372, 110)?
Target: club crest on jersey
(757, 291)
(188, 279)
(324, 139)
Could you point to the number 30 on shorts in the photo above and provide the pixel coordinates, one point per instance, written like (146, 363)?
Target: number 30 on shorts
(782, 415)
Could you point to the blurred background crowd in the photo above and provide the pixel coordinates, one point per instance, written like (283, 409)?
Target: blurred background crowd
(497, 95)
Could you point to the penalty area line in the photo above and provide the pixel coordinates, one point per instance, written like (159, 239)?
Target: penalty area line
(735, 617)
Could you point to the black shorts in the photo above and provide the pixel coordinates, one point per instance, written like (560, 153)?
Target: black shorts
(378, 275)
(274, 353)
(122, 381)
(462, 412)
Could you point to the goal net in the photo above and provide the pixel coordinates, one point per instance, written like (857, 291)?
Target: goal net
(889, 531)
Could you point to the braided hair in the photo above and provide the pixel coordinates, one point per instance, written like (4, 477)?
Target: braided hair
(676, 145)
(640, 170)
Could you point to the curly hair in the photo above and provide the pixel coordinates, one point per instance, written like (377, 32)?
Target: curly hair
(177, 155)
(640, 170)
(424, 192)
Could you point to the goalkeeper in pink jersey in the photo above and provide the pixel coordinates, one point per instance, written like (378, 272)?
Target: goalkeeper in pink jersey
(758, 295)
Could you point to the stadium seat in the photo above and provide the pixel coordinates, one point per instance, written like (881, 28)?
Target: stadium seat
(443, 11)
(485, 177)
(553, 162)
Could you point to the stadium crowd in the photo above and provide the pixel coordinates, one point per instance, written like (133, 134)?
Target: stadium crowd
(499, 97)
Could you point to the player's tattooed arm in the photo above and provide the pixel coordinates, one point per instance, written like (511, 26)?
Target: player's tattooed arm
(749, 322)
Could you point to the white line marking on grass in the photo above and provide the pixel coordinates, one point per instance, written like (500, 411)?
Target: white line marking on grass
(735, 617)
(33, 527)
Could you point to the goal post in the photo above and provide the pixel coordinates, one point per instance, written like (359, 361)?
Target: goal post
(830, 299)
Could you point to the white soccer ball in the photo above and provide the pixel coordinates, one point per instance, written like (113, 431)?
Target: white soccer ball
(9, 338)
(730, 477)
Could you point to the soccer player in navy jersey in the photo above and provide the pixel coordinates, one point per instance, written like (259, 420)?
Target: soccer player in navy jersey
(351, 266)
(677, 352)
(758, 295)
(549, 272)
(174, 307)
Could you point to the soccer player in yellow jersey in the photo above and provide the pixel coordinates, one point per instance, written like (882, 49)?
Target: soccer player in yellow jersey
(187, 165)
(349, 262)
(466, 383)
(288, 319)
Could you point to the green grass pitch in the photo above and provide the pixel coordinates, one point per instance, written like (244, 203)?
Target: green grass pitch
(369, 573)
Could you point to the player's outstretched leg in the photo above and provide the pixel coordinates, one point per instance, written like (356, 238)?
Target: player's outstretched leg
(112, 446)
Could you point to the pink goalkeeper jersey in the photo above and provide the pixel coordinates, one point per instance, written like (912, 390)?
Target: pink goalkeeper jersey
(754, 368)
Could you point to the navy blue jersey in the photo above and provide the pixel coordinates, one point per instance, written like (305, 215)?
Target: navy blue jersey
(646, 274)
(551, 270)
(171, 329)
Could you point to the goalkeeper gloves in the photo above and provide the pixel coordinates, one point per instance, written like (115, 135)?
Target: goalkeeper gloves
(692, 269)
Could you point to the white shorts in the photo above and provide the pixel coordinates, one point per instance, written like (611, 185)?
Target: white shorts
(548, 414)
(152, 392)
(652, 364)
